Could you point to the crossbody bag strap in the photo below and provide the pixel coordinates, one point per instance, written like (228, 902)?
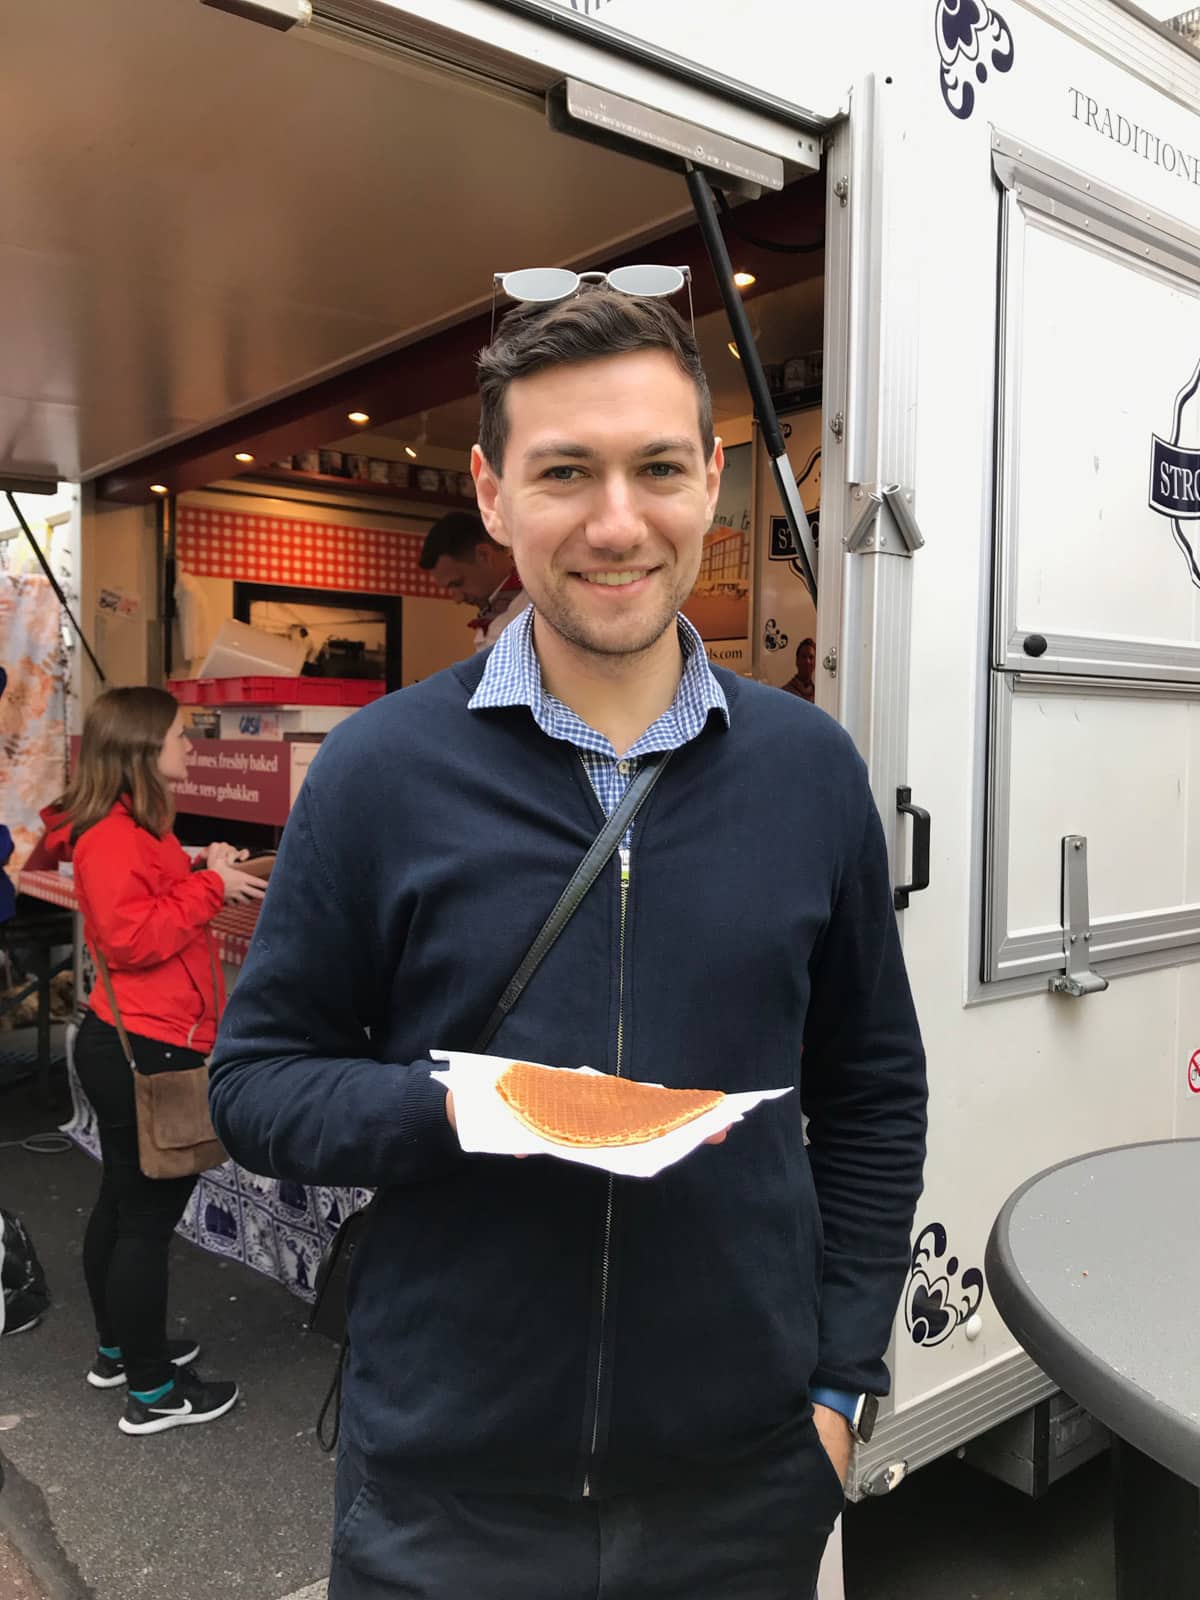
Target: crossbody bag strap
(218, 985)
(588, 870)
(102, 965)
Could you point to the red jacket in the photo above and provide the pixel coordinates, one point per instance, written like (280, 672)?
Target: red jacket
(54, 845)
(147, 913)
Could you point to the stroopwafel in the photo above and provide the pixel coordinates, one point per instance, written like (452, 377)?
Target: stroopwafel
(589, 1110)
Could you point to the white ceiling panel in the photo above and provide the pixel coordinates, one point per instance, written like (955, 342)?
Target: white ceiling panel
(197, 214)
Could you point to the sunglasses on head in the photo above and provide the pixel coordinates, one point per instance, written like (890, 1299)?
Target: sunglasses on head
(546, 285)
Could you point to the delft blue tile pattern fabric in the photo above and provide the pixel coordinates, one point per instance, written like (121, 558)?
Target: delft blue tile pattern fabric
(276, 1227)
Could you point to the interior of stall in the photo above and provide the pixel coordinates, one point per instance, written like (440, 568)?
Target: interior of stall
(297, 589)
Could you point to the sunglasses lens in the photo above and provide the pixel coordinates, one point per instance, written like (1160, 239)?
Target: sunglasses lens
(648, 281)
(540, 283)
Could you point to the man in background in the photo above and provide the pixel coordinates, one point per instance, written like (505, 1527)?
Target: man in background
(801, 681)
(476, 570)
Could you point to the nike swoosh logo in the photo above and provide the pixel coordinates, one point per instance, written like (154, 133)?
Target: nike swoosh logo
(173, 1411)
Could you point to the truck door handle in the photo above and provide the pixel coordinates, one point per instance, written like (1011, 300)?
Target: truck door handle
(920, 849)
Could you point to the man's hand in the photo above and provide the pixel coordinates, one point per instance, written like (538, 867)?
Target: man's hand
(718, 1138)
(834, 1433)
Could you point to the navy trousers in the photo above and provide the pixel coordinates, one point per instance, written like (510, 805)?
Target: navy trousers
(755, 1539)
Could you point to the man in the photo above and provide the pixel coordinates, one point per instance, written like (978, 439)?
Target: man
(801, 681)
(476, 570)
(561, 1384)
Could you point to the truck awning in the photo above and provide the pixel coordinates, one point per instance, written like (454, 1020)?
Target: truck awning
(199, 215)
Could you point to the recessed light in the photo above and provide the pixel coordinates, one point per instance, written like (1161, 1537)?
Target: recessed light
(159, 488)
(243, 455)
(409, 451)
(744, 279)
(734, 351)
(358, 418)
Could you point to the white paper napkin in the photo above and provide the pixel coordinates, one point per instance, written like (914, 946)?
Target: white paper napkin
(487, 1125)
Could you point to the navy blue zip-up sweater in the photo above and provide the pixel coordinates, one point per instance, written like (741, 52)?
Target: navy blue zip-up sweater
(495, 1340)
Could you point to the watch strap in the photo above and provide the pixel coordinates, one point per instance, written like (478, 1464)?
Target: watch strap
(839, 1400)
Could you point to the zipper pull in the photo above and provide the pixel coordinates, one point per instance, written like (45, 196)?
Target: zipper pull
(624, 854)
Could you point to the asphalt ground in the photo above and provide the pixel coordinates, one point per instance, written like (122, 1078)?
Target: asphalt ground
(242, 1507)
(238, 1507)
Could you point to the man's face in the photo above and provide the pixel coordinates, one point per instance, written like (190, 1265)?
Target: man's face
(470, 582)
(806, 660)
(605, 497)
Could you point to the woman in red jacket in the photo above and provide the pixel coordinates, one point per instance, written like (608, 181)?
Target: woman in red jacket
(146, 909)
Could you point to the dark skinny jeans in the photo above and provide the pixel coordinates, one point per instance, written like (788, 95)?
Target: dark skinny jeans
(129, 1232)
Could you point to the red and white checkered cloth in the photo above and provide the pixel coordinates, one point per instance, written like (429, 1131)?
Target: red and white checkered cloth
(308, 554)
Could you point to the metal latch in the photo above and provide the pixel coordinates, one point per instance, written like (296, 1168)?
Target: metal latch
(897, 534)
(1078, 979)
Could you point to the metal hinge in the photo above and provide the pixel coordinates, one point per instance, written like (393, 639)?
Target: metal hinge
(842, 189)
(278, 14)
(1078, 979)
(897, 534)
(830, 662)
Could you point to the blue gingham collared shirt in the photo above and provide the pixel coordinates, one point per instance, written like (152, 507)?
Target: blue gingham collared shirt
(513, 677)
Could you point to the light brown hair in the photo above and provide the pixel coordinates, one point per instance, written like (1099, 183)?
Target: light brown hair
(122, 740)
(595, 322)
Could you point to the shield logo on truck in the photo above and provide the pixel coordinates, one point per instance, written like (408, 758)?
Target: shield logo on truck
(970, 35)
(1175, 475)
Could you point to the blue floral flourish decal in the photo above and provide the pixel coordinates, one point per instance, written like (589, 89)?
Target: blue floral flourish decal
(967, 31)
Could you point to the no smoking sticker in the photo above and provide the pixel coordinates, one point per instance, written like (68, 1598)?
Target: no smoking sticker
(1194, 1073)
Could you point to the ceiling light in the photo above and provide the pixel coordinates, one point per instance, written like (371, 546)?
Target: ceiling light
(159, 488)
(409, 451)
(744, 279)
(243, 455)
(734, 351)
(358, 418)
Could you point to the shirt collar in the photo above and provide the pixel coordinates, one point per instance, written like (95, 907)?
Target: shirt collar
(512, 676)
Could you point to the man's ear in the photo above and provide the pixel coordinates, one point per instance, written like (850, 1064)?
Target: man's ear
(713, 471)
(487, 493)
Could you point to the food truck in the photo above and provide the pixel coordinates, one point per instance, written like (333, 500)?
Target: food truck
(965, 389)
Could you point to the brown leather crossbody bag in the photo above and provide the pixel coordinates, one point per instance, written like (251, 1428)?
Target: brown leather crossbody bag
(176, 1137)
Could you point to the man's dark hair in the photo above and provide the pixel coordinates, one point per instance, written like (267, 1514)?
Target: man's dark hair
(458, 534)
(593, 323)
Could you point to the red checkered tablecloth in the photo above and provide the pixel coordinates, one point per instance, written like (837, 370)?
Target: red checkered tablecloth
(232, 926)
(55, 887)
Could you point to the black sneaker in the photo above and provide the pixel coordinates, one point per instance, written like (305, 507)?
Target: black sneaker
(188, 1400)
(107, 1373)
(22, 1327)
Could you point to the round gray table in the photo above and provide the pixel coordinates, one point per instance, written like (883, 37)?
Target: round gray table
(1095, 1267)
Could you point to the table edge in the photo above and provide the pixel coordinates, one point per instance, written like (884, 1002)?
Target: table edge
(1128, 1410)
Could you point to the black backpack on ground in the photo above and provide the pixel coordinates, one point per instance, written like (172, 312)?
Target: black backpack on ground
(25, 1299)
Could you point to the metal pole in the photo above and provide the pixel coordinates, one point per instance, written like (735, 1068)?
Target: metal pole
(54, 584)
(764, 407)
(165, 509)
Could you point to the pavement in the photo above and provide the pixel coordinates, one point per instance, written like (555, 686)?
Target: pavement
(16, 1580)
(240, 1509)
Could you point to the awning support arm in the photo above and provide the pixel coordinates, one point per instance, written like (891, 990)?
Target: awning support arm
(764, 406)
(54, 584)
